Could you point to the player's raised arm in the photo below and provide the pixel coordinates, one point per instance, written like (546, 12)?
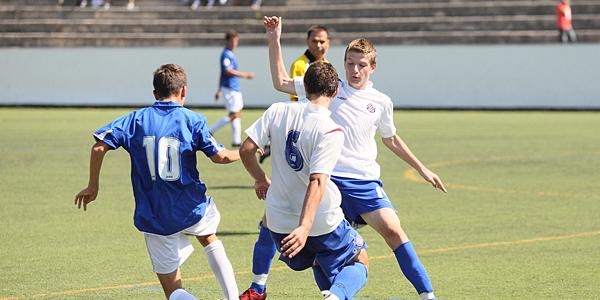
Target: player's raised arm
(279, 75)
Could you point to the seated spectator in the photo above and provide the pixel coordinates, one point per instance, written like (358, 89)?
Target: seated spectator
(255, 4)
(98, 3)
(209, 4)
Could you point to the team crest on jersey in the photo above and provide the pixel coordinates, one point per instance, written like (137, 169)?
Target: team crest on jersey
(371, 108)
(358, 241)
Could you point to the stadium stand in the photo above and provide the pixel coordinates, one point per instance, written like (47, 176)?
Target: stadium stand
(162, 23)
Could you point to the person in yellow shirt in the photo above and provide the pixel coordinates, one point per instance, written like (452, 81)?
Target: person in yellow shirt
(317, 40)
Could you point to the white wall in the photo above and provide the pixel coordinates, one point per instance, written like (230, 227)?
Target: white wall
(490, 76)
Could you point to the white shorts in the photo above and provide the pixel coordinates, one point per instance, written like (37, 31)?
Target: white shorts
(233, 100)
(169, 252)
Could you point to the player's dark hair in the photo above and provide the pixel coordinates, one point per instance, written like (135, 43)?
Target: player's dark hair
(168, 80)
(230, 34)
(321, 79)
(314, 28)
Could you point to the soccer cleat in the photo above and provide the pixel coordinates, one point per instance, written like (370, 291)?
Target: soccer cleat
(327, 295)
(251, 294)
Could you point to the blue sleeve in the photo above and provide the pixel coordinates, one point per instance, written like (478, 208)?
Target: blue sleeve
(203, 139)
(228, 61)
(116, 133)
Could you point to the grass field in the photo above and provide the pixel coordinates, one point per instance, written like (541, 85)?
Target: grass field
(521, 219)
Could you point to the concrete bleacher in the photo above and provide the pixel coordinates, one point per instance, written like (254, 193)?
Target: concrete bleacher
(159, 23)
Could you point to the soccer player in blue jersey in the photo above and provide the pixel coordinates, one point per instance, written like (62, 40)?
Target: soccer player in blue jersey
(362, 112)
(170, 200)
(303, 210)
(229, 88)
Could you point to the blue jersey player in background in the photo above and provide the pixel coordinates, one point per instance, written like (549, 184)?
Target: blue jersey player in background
(230, 89)
(170, 200)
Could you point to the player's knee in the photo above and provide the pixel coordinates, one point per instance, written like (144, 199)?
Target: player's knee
(205, 240)
(363, 258)
(394, 237)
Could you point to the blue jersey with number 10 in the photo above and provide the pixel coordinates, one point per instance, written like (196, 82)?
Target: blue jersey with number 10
(162, 141)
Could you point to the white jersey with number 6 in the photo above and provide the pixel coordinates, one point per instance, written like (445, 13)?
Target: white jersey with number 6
(304, 140)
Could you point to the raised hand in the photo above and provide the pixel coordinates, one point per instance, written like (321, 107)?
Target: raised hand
(272, 27)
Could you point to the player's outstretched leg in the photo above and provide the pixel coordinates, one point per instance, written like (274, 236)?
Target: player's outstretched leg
(386, 222)
(236, 132)
(219, 124)
(262, 257)
(349, 281)
(221, 266)
(181, 294)
(413, 269)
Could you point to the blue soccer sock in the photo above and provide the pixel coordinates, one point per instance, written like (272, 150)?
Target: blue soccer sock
(412, 268)
(264, 251)
(349, 281)
(259, 288)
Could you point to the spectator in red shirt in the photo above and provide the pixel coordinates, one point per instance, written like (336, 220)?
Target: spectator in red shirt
(563, 22)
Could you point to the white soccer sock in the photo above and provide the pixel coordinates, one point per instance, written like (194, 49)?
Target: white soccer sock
(181, 294)
(427, 296)
(221, 267)
(220, 123)
(260, 279)
(236, 131)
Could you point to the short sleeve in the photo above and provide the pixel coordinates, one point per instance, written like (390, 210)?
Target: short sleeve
(259, 130)
(299, 86)
(203, 139)
(326, 152)
(116, 133)
(385, 126)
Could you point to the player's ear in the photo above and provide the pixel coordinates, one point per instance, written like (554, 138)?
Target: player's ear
(337, 90)
(183, 91)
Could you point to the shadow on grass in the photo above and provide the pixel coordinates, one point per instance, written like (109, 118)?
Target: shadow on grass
(236, 233)
(230, 187)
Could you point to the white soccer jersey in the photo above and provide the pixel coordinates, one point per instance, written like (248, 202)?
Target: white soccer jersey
(361, 113)
(304, 140)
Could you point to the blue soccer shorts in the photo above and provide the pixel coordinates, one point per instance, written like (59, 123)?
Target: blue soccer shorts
(331, 251)
(360, 196)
